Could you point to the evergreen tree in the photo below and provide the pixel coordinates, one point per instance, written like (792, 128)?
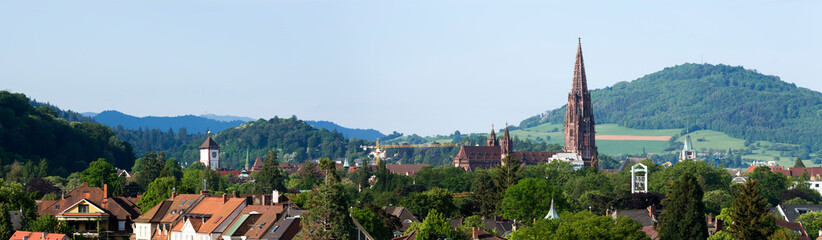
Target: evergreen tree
(507, 174)
(684, 214)
(271, 177)
(750, 219)
(149, 168)
(327, 216)
(799, 163)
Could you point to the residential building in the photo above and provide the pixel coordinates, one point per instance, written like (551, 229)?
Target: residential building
(208, 219)
(92, 213)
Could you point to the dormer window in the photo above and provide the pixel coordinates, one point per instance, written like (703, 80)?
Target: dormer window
(56, 206)
(802, 210)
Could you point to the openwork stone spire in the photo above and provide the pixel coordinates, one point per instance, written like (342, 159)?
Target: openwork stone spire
(579, 116)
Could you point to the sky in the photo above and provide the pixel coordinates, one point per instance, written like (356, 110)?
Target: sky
(416, 67)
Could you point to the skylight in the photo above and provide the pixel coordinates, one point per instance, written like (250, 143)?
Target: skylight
(275, 228)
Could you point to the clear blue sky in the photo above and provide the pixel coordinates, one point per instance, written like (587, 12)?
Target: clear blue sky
(425, 67)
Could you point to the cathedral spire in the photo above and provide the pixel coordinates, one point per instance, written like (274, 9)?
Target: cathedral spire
(579, 116)
(580, 84)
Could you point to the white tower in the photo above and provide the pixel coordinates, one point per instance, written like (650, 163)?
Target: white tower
(210, 154)
(639, 183)
(687, 150)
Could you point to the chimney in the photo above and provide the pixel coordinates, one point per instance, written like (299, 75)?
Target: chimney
(44, 235)
(25, 237)
(225, 197)
(651, 211)
(475, 233)
(105, 190)
(173, 193)
(275, 197)
(85, 184)
(62, 195)
(203, 192)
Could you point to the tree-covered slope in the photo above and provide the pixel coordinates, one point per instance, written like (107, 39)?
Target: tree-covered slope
(295, 140)
(28, 135)
(742, 103)
(193, 123)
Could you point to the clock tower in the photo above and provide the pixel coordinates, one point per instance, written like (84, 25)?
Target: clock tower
(210, 154)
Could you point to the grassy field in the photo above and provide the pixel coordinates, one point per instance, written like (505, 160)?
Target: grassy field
(703, 141)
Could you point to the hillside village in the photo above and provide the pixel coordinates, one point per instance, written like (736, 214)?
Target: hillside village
(490, 191)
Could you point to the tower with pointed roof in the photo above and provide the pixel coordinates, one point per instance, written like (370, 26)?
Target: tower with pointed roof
(210, 154)
(687, 150)
(506, 146)
(579, 116)
(492, 139)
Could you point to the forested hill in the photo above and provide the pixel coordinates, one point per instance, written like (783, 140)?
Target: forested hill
(739, 102)
(28, 135)
(367, 134)
(192, 123)
(294, 139)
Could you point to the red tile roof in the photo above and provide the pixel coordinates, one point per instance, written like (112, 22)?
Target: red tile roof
(261, 218)
(209, 144)
(18, 235)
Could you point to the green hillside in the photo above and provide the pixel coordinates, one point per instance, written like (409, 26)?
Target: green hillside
(741, 103)
(37, 138)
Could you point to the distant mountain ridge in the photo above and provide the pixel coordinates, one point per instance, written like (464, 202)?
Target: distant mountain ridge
(193, 124)
(365, 134)
(226, 118)
(739, 102)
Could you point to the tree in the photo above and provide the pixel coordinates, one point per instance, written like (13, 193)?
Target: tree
(15, 198)
(715, 200)
(684, 214)
(770, 184)
(102, 172)
(172, 169)
(41, 187)
(485, 193)
(435, 226)
(812, 222)
(327, 216)
(372, 223)
(798, 163)
(271, 177)
(581, 225)
(749, 216)
(158, 190)
(148, 168)
(508, 173)
(436, 198)
(330, 170)
(50, 224)
(783, 234)
(530, 199)
(307, 176)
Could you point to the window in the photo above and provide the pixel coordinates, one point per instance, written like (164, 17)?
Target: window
(184, 202)
(56, 206)
(121, 225)
(82, 209)
(275, 228)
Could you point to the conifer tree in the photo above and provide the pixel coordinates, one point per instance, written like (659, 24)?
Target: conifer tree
(271, 177)
(684, 214)
(750, 219)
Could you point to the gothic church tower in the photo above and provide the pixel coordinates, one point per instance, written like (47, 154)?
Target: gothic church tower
(579, 118)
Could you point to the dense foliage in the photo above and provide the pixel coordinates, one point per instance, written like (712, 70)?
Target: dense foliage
(741, 103)
(581, 225)
(29, 134)
(684, 213)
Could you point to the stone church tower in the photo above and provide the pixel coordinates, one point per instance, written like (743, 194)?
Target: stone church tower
(579, 118)
(492, 139)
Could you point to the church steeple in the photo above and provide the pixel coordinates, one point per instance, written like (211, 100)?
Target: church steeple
(580, 85)
(492, 139)
(505, 143)
(579, 116)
